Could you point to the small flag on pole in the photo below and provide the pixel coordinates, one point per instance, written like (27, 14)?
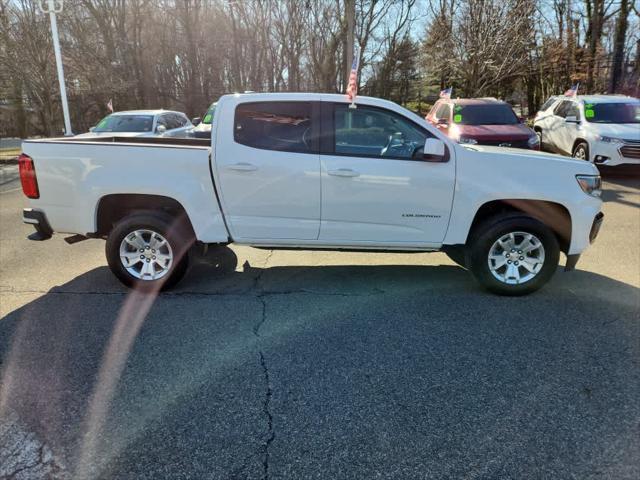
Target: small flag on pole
(352, 88)
(446, 93)
(573, 91)
(110, 105)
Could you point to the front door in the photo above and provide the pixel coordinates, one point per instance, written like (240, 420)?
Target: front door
(376, 188)
(268, 169)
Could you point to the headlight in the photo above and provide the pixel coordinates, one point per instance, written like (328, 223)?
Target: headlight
(590, 184)
(468, 141)
(533, 141)
(610, 139)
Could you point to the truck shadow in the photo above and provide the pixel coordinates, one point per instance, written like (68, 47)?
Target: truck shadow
(627, 183)
(202, 340)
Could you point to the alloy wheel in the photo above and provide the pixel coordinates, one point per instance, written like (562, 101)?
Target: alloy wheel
(146, 254)
(516, 258)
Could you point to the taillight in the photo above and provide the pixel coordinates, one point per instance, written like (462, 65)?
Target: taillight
(28, 176)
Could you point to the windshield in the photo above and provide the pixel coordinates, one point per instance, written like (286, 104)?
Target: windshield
(208, 117)
(500, 114)
(125, 123)
(612, 112)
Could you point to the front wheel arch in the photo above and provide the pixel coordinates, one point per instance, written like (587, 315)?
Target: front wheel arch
(577, 142)
(555, 215)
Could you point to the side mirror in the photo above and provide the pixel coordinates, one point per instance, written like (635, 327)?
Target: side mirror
(434, 150)
(161, 129)
(571, 119)
(196, 121)
(91, 129)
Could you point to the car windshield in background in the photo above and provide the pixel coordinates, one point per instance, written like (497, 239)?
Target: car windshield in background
(484, 115)
(612, 112)
(125, 123)
(208, 117)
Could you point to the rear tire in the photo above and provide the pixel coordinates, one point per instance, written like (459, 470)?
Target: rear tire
(513, 254)
(149, 251)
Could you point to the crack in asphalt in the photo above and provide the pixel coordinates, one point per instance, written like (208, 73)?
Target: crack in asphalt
(39, 461)
(263, 317)
(265, 371)
(271, 434)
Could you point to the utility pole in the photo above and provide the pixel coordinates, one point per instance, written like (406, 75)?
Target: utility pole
(52, 7)
(350, 6)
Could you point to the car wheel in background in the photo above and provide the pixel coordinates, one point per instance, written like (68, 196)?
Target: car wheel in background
(581, 151)
(514, 254)
(149, 251)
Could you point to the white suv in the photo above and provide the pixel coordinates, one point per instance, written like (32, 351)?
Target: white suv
(603, 129)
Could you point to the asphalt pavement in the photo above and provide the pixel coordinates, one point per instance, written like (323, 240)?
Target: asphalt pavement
(318, 365)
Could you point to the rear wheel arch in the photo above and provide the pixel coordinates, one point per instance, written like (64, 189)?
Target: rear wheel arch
(554, 215)
(113, 208)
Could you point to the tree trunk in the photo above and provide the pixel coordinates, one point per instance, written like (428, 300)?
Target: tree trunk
(618, 47)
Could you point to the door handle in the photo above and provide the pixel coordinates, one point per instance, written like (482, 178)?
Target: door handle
(242, 167)
(343, 172)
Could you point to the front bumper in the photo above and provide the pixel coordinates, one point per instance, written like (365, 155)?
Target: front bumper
(39, 221)
(613, 154)
(595, 227)
(572, 260)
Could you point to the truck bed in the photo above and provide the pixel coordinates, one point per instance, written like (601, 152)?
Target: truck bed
(76, 175)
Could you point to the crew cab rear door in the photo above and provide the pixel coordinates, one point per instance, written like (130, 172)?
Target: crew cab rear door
(268, 168)
(376, 186)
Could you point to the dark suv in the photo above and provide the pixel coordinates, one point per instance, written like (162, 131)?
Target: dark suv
(484, 121)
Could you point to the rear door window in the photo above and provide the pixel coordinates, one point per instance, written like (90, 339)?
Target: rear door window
(281, 126)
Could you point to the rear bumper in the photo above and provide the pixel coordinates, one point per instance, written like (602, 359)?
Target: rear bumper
(39, 221)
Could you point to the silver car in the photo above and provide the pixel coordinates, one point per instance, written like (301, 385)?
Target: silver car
(142, 123)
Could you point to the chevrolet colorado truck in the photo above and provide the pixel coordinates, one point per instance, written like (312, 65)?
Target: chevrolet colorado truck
(312, 171)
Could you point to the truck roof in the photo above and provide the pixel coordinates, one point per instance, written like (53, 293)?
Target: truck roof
(308, 96)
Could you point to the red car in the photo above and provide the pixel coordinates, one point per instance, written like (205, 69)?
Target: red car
(483, 121)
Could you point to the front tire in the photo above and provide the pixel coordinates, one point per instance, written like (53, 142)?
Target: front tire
(149, 251)
(581, 151)
(514, 254)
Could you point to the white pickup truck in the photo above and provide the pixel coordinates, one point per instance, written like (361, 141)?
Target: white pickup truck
(308, 171)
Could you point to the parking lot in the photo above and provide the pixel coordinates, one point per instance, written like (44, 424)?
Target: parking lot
(278, 364)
